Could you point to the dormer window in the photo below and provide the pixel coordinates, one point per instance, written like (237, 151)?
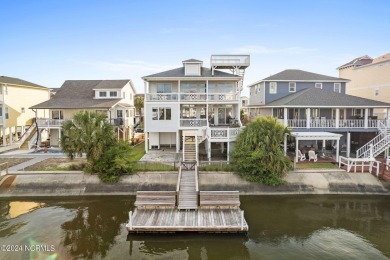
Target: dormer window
(102, 94)
(113, 93)
(192, 67)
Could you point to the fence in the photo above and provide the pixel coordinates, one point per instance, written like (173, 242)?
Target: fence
(147, 166)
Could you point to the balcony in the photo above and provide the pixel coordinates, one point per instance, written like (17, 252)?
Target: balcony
(224, 133)
(57, 123)
(227, 61)
(193, 122)
(332, 123)
(192, 97)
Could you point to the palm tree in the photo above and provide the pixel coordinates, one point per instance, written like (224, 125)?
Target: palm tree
(139, 104)
(89, 133)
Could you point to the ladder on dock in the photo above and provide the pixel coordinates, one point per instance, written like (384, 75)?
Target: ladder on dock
(187, 188)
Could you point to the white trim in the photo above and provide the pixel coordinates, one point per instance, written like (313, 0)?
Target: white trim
(318, 83)
(276, 88)
(334, 87)
(295, 87)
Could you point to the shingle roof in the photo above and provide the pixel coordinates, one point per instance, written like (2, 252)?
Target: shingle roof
(301, 75)
(193, 60)
(79, 94)
(179, 73)
(20, 82)
(363, 60)
(314, 97)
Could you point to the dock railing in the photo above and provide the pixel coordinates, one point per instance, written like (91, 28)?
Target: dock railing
(178, 186)
(359, 162)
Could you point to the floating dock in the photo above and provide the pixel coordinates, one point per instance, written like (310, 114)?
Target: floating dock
(186, 210)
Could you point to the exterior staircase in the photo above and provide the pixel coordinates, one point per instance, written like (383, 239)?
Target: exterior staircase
(377, 145)
(189, 149)
(188, 187)
(27, 136)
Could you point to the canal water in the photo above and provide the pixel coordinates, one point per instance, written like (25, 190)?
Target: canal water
(280, 227)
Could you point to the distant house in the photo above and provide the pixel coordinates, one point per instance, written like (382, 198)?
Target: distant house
(310, 102)
(369, 78)
(16, 96)
(114, 98)
(244, 104)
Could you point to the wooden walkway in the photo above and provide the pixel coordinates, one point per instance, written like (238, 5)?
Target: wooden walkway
(188, 194)
(173, 220)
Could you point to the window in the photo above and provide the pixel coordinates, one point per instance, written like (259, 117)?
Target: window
(376, 93)
(57, 114)
(102, 94)
(113, 94)
(161, 113)
(164, 88)
(273, 88)
(119, 113)
(318, 85)
(292, 87)
(337, 87)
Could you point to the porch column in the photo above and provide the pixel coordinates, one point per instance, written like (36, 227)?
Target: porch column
(177, 141)
(307, 117)
(285, 144)
(59, 137)
(337, 150)
(285, 116)
(337, 117)
(10, 136)
(222, 147)
(146, 142)
(388, 118)
(4, 137)
(365, 118)
(296, 149)
(348, 144)
(228, 151)
(209, 150)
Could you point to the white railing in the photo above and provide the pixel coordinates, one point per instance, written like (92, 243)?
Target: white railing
(322, 123)
(331, 123)
(296, 123)
(193, 122)
(230, 60)
(223, 96)
(26, 135)
(224, 133)
(374, 147)
(192, 97)
(351, 123)
(359, 162)
(32, 142)
(46, 122)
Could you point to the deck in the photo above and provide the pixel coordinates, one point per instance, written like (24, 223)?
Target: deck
(173, 220)
(187, 209)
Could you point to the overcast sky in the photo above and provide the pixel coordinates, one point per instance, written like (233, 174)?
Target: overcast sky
(48, 42)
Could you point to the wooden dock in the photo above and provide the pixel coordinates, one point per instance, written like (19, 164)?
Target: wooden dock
(174, 220)
(187, 209)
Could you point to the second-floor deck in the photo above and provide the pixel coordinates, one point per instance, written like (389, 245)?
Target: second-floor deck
(333, 123)
(57, 123)
(192, 97)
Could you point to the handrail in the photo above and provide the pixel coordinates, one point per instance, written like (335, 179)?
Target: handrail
(6, 168)
(26, 134)
(196, 179)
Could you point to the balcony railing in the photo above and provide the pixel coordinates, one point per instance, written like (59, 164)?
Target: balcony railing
(331, 123)
(56, 123)
(192, 97)
(193, 122)
(223, 133)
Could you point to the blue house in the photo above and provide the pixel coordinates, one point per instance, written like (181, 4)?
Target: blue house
(310, 102)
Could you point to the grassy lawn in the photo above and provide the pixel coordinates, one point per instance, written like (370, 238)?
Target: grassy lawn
(315, 165)
(58, 164)
(139, 151)
(150, 167)
(217, 168)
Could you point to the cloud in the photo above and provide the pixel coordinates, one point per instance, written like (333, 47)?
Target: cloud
(259, 49)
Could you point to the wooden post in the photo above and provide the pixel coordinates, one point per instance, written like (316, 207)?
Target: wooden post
(242, 220)
(130, 220)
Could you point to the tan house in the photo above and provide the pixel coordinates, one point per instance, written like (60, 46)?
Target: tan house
(369, 78)
(114, 98)
(16, 96)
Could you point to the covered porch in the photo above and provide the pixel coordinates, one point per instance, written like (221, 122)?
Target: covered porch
(313, 136)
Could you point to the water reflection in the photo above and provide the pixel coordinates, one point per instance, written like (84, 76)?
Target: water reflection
(280, 227)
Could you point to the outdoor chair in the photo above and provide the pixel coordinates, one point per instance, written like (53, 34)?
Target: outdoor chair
(312, 155)
(301, 156)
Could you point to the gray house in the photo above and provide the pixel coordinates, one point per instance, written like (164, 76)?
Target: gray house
(310, 102)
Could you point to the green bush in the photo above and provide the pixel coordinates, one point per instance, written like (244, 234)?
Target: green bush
(114, 162)
(258, 155)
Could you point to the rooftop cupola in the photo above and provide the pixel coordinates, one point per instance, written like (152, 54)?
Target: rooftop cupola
(192, 67)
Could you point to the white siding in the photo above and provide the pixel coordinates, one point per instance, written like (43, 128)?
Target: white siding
(168, 139)
(161, 125)
(154, 140)
(192, 69)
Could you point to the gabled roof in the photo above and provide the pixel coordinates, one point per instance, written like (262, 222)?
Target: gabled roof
(192, 61)
(300, 75)
(314, 97)
(360, 61)
(19, 82)
(382, 58)
(80, 94)
(179, 73)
